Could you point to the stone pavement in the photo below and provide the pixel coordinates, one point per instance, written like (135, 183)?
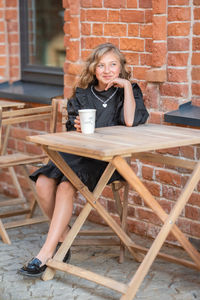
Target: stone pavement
(164, 281)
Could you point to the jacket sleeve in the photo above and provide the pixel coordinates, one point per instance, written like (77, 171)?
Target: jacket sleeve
(141, 113)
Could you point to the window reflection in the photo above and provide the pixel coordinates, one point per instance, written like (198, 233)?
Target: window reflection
(46, 35)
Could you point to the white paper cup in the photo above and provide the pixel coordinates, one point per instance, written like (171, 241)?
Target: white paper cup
(87, 120)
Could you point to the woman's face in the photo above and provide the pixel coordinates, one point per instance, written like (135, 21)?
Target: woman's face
(107, 69)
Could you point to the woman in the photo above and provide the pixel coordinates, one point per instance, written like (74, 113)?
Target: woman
(105, 86)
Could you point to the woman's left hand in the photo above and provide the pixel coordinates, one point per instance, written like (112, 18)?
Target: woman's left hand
(77, 124)
(118, 82)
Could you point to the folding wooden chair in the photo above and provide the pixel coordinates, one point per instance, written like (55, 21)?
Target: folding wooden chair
(9, 161)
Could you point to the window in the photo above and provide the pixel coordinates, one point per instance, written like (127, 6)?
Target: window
(42, 41)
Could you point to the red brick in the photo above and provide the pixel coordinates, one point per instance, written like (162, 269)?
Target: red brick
(155, 117)
(13, 26)
(97, 3)
(196, 28)
(194, 199)
(156, 75)
(196, 13)
(146, 59)
(115, 3)
(195, 229)
(161, 23)
(133, 30)
(96, 15)
(2, 26)
(187, 152)
(132, 44)
(196, 101)
(152, 99)
(196, 89)
(178, 2)
(147, 215)
(113, 15)
(2, 37)
(69, 81)
(132, 16)
(159, 6)
(139, 72)
(74, 6)
(91, 42)
(83, 15)
(176, 75)
(145, 3)
(168, 177)
(11, 3)
(2, 49)
(178, 44)
(178, 29)
(175, 90)
(132, 58)
(74, 27)
(159, 53)
(86, 28)
(3, 61)
(73, 69)
(148, 45)
(146, 31)
(73, 51)
(179, 14)
(195, 73)
(115, 30)
(65, 3)
(13, 38)
(196, 2)
(137, 226)
(131, 3)
(169, 104)
(152, 230)
(86, 3)
(11, 14)
(148, 16)
(97, 29)
(178, 59)
(147, 172)
(195, 58)
(196, 43)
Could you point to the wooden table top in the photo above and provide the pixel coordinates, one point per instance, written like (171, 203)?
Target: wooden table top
(107, 142)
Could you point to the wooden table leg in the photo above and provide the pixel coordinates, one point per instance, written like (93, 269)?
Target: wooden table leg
(169, 221)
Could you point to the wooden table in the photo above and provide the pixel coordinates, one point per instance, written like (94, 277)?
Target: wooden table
(114, 144)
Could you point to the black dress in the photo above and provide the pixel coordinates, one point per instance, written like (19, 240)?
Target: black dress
(90, 170)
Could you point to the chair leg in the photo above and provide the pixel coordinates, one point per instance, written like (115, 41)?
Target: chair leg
(3, 234)
(122, 209)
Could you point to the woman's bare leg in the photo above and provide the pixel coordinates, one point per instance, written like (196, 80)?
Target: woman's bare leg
(60, 219)
(46, 190)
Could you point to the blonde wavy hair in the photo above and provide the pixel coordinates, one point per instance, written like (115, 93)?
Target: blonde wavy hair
(88, 77)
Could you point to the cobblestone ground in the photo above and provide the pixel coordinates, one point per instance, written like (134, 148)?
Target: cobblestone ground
(164, 281)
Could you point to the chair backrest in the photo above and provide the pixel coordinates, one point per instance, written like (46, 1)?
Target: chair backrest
(18, 116)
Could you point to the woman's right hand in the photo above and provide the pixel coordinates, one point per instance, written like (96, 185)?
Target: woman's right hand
(77, 124)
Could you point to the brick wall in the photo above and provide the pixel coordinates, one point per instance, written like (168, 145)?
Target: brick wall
(9, 41)
(161, 41)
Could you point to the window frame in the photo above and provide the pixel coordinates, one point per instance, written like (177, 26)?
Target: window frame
(34, 73)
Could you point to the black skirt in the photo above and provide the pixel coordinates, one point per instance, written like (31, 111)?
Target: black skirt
(88, 170)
